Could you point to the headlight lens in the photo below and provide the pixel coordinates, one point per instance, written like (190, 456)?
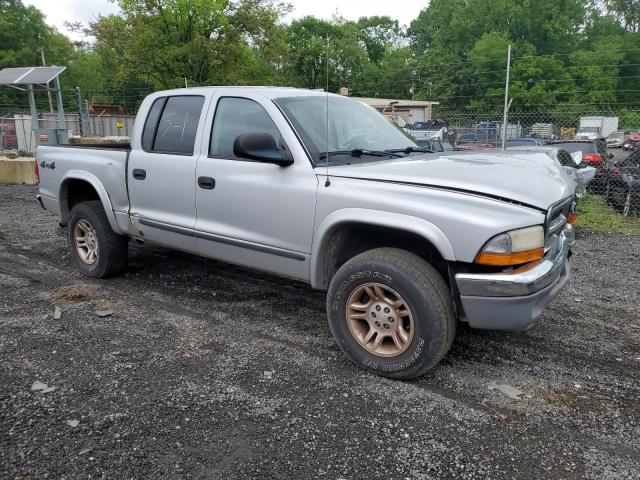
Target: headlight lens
(514, 247)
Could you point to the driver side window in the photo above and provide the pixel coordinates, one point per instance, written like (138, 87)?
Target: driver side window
(235, 116)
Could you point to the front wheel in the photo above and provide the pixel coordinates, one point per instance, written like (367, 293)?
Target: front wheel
(391, 313)
(97, 250)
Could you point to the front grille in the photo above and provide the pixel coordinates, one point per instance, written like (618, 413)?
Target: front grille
(557, 218)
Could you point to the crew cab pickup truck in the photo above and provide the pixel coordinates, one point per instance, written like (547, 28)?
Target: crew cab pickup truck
(323, 189)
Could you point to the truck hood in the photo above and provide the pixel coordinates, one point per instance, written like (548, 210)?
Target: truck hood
(531, 178)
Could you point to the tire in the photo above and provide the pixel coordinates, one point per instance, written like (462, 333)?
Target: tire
(400, 276)
(616, 195)
(111, 251)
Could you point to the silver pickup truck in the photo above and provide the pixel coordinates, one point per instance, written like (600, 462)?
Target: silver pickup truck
(323, 189)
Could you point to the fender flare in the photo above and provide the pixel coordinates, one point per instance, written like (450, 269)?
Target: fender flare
(398, 221)
(98, 187)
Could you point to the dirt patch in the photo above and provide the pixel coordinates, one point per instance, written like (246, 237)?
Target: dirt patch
(76, 293)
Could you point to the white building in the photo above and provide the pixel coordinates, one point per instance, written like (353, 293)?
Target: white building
(411, 111)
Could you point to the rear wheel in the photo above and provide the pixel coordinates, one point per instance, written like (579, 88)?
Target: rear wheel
(391, 313)
(619, 196)
(97, 250)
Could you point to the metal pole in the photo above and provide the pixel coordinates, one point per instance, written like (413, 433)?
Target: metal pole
(34, 116)
(44, 64)
(56, 82)
(79, 104)
(506, 98)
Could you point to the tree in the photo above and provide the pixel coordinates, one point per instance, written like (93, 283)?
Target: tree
(24, 36)
(380, 35)
(318, 48)
(203, 41)
(626, 11)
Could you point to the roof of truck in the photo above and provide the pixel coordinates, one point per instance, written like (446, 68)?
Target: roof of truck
(270, 92)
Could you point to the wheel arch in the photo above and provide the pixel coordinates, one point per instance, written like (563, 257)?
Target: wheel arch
(78, 185)
(334, 241)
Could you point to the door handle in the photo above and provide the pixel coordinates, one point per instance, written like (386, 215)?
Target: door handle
(207, 183)
(139, 174)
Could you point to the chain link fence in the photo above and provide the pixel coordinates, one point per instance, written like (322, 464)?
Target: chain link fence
(17, 130)
(605, 140)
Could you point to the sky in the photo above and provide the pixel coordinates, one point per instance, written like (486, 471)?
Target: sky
(58, 12)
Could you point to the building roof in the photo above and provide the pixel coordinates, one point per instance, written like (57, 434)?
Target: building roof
(397, 103)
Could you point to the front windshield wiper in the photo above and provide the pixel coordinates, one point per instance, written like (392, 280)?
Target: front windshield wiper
(359, 152)
(409, 150)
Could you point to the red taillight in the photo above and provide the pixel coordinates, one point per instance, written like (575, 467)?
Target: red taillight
(592, 158)
(36, 171)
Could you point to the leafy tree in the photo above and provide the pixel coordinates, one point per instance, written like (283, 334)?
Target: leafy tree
(319, 48)
(626, 11)
(380, 35)
(203, 41)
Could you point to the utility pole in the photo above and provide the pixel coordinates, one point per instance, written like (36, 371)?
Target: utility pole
(44, 64)
(506, 98)
(80, 112)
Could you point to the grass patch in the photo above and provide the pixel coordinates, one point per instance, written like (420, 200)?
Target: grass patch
(595, 213)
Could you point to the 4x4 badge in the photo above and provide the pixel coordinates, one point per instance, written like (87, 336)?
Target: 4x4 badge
(51, 166)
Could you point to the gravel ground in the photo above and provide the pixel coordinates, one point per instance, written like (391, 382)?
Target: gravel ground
(211, 371)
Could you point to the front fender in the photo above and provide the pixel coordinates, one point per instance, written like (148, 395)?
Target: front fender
(63, 195)
(408, 223)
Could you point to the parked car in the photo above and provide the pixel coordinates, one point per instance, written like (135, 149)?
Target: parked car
(631, 142)
(594, 154)
(435, 145)
(404, 242)
(576, 168)
(524, 142)
(617, 138)
(8, 138)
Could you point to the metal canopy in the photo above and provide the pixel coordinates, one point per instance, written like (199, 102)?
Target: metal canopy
(29, 75)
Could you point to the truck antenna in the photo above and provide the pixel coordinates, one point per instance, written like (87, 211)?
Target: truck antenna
(327, 181)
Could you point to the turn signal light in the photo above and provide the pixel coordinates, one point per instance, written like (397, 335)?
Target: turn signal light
(572, 218)
(508, 259)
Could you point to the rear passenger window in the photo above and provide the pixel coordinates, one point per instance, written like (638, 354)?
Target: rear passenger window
(235, 116)
(171, 125)
(151, 124)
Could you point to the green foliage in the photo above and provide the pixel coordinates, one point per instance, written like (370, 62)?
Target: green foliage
(595, 213)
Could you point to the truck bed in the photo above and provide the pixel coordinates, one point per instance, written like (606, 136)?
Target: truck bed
(102, 166)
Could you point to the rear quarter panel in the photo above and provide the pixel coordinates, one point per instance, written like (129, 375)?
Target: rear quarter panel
(59, 164)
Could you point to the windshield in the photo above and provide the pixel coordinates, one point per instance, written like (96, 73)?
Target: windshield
(588, 129)
(352, 126)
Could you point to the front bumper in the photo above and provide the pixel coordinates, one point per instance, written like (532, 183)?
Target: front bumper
(515, 300)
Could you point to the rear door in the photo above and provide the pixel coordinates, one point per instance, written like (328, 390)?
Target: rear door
(161, 170)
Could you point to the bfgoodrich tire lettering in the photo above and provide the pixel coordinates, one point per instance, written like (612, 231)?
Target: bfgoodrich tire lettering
(423, 292)
(112, 248)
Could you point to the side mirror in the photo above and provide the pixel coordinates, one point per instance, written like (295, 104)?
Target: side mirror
(261, 147)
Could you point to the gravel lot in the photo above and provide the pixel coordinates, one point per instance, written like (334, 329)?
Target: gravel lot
(211, 371)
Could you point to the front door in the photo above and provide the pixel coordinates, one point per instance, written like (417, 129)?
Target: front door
(161, 171)
(257, 214)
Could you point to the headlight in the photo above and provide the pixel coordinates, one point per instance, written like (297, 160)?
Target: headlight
(514, 247)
